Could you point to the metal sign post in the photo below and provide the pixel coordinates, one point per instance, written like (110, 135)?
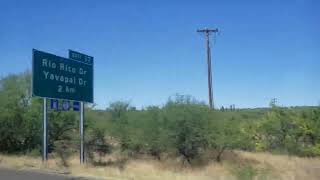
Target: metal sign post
(84, 59)
(81, 133)
(62, 78)
(45, 132)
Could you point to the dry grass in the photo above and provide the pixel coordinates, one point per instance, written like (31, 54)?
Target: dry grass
(264, 165)
(288, 167)
(147, 168)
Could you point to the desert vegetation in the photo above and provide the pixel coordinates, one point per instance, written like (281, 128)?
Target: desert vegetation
(183, 132)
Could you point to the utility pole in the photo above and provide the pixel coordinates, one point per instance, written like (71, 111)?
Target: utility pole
(273, 102)
(207, 32)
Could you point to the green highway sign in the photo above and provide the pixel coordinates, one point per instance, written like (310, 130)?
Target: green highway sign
(62, 78)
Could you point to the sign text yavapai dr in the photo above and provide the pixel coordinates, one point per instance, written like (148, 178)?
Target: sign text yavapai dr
(62, 78)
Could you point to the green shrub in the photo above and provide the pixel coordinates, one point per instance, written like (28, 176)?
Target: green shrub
(96, 144)
(188, 124)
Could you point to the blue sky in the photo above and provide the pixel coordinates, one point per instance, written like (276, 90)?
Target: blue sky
(146, 51)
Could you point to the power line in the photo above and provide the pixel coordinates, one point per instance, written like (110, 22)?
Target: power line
(207, 32)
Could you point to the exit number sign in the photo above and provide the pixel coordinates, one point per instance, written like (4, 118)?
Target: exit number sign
(80, 57)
